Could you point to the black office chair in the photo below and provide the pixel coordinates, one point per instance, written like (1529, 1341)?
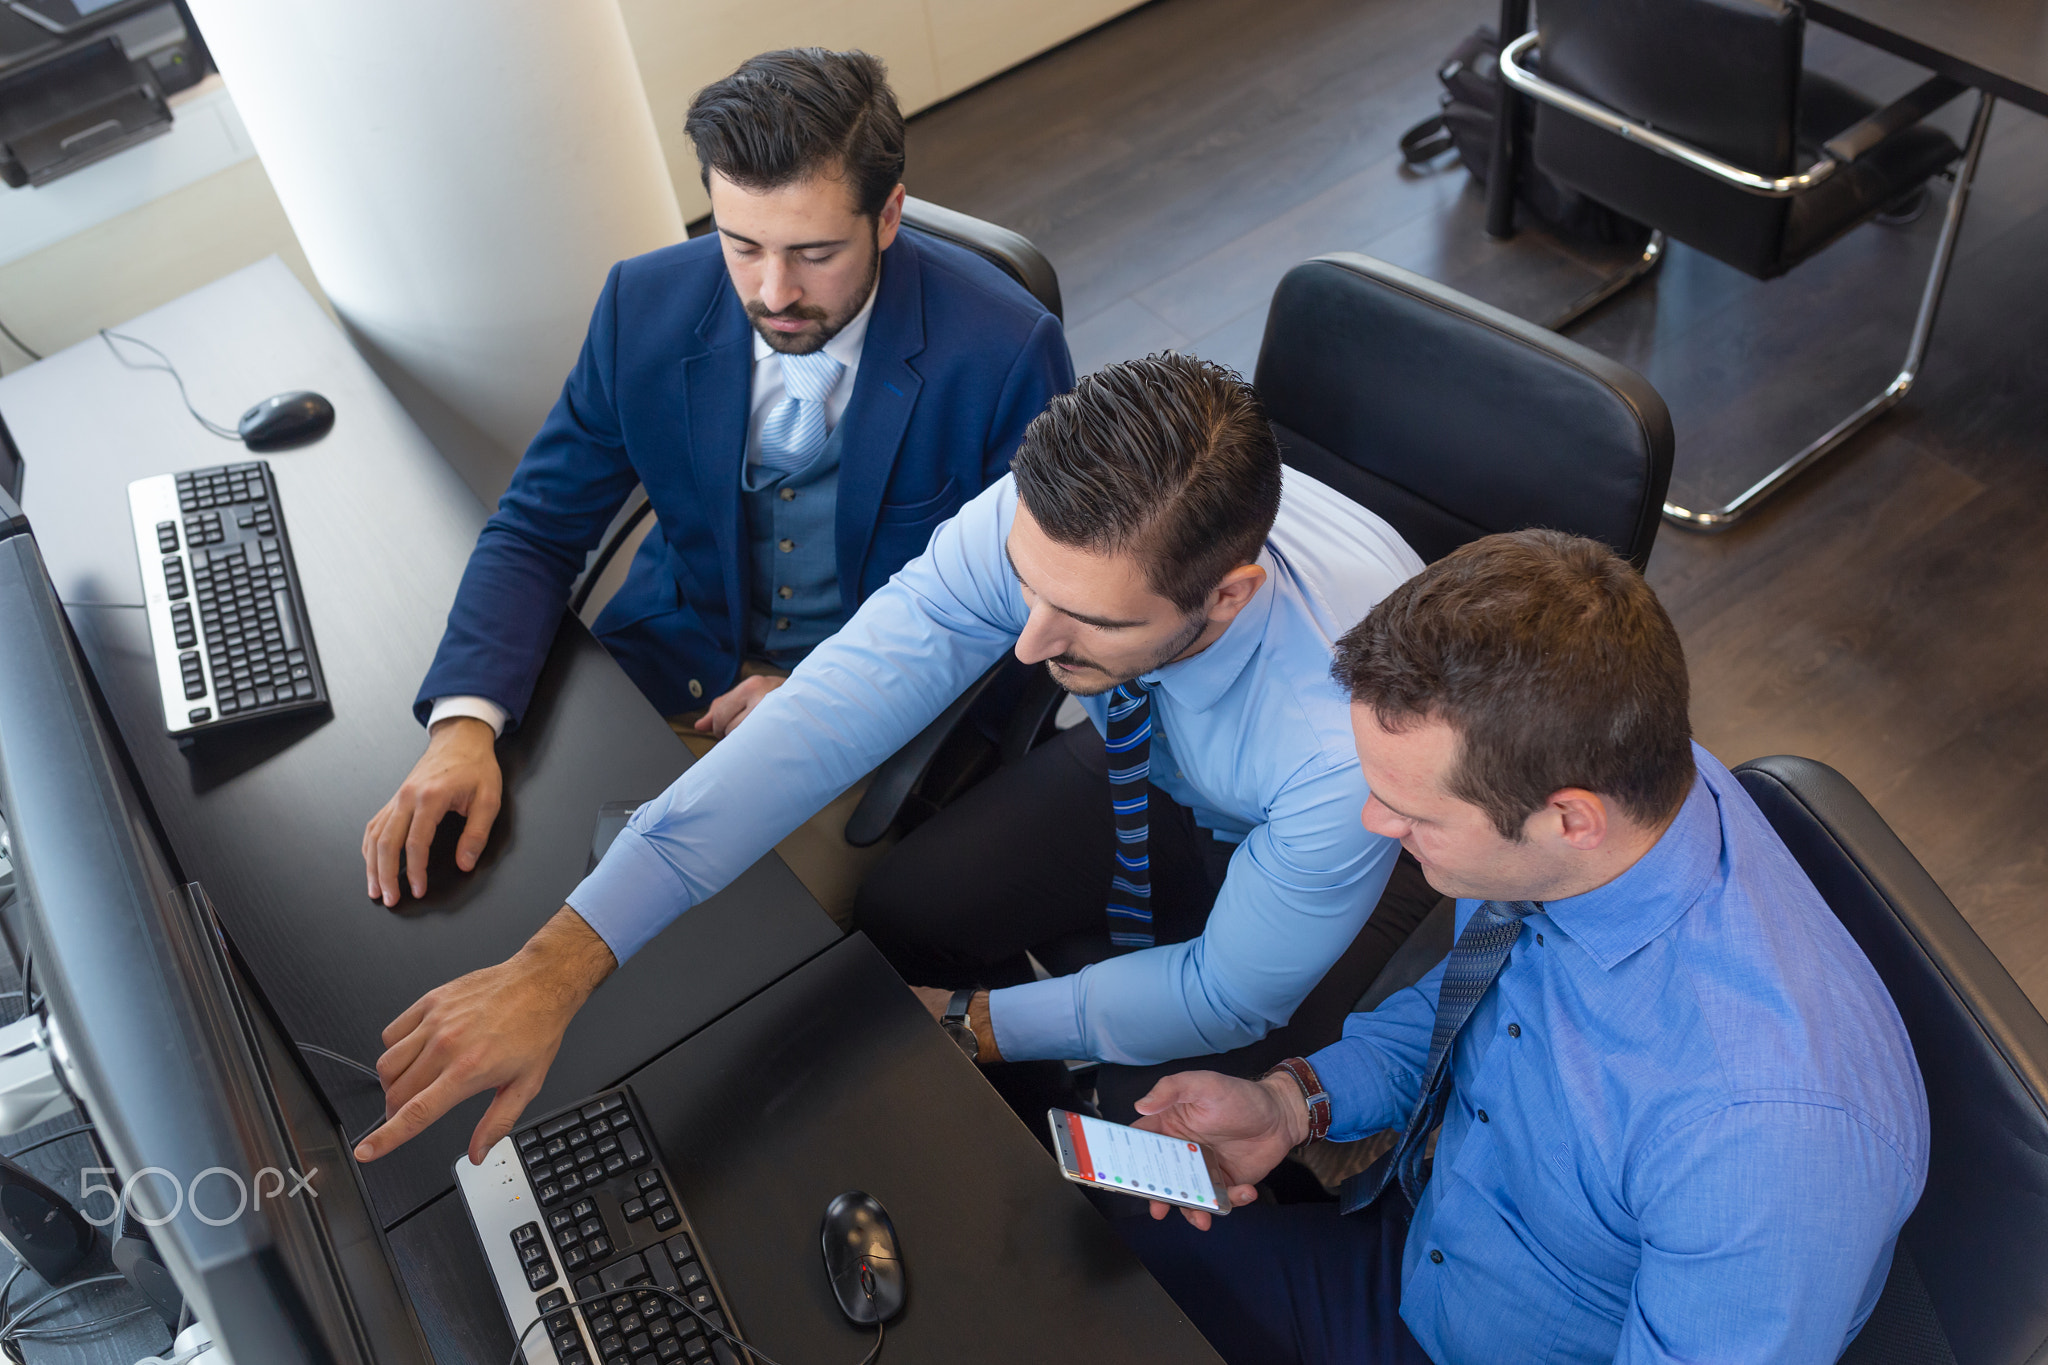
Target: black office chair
(1969, 1282)
(1696, 117)
(1454, 420)
(1449, 418)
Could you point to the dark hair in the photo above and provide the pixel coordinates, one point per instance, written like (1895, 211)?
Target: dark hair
(786, 116)
(1169, 457)
(1554, 662)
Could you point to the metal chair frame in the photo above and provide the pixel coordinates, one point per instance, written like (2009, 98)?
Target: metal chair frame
(1837, 151)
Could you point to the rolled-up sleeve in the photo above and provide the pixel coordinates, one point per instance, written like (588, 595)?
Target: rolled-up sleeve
(903, 657)
(1299, 887)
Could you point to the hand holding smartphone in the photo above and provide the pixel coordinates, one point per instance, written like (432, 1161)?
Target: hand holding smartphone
(1153, 1166)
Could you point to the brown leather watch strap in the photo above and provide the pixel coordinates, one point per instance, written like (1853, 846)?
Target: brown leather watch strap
(1311, 1091)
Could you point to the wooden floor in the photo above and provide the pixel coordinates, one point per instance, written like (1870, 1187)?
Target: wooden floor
(1887, 615)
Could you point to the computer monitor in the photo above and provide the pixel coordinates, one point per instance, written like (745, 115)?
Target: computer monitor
(217, 1135)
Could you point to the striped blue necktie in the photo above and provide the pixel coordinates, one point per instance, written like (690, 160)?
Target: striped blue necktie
(1469, 972)
(794, 431)
(1130, 768)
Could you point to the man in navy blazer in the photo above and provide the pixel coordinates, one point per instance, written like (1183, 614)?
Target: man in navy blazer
(806, 394)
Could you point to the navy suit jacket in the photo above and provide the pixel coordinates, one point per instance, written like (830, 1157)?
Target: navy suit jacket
(957, 361)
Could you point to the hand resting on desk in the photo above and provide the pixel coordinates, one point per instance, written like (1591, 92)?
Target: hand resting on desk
(458, 772)
(1246, 1128)
(497, 1028)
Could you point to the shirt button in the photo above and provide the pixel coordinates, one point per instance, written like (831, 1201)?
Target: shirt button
(1483, 1118)
(786, 545)
(1539, 937)
(782, 623)
(785, 592)
(696, 688)
(788, 495)
(1514, 1030)
(1437, 1257)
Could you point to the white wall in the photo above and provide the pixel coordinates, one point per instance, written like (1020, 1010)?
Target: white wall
(934, 48)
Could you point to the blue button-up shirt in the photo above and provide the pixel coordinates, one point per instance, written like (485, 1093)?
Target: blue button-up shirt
(1257, 742)
(1686, 1125)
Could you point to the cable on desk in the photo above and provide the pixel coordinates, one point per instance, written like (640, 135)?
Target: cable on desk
(316, 1050)
(334, 1056)
(19, 344)
(225, 433)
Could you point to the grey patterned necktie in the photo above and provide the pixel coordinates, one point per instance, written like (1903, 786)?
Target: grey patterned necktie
(1469, 972)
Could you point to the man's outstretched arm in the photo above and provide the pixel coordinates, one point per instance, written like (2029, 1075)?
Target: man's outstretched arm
(497, 1028)
(905, 655)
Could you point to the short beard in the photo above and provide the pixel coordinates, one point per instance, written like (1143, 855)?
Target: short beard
(1194, 626)
(829, 327)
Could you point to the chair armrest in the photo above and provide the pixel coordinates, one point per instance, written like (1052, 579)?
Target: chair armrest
(899, 774)
(1916, 104)
(1577, 105)
(636, 512)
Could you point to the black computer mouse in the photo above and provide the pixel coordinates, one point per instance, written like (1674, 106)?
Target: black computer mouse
(289, 419)
(861, 1258)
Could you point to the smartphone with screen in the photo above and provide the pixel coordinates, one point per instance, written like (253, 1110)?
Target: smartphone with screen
(1111, 1156)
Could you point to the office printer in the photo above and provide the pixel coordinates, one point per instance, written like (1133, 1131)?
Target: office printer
(83, 79)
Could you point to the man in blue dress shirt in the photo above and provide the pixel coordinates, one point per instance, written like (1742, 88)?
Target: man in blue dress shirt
(806, 394)
(1150, 552)
(1680, 1118)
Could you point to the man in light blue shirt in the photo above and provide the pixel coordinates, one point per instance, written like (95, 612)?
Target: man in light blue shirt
(1203, 588)
(1680, 1117)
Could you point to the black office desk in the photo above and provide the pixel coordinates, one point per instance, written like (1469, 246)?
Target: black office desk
(1999, 46)
(269, 817)
(768, 1113)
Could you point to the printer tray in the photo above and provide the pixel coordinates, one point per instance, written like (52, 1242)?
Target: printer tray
(74, 109)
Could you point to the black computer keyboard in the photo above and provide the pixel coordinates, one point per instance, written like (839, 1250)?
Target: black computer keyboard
(579, 1221)
(227, 620)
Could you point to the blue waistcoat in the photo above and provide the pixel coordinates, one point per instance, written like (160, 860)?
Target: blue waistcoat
(795, 589)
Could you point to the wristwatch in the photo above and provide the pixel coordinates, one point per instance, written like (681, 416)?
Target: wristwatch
(955, 1023)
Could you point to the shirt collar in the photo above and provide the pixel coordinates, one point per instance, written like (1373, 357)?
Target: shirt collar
(1199, 682)
(1612, 921)
(844, 347)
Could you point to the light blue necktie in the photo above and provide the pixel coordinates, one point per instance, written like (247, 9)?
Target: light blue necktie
(1469, 972)
(795, 430)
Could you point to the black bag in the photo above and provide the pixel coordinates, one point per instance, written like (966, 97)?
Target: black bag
(1471, 103)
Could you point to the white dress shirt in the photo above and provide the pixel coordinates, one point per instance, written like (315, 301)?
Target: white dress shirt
(845, 347)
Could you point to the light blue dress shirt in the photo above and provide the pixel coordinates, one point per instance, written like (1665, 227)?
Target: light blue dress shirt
(1257, 742)
(1687, 1123)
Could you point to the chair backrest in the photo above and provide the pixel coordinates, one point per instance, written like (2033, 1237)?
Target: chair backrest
(1970, 1284)
(1722, 75)
(1454, 420)
(1010, 252)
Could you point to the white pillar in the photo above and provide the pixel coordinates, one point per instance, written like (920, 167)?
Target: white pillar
(461, 174)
